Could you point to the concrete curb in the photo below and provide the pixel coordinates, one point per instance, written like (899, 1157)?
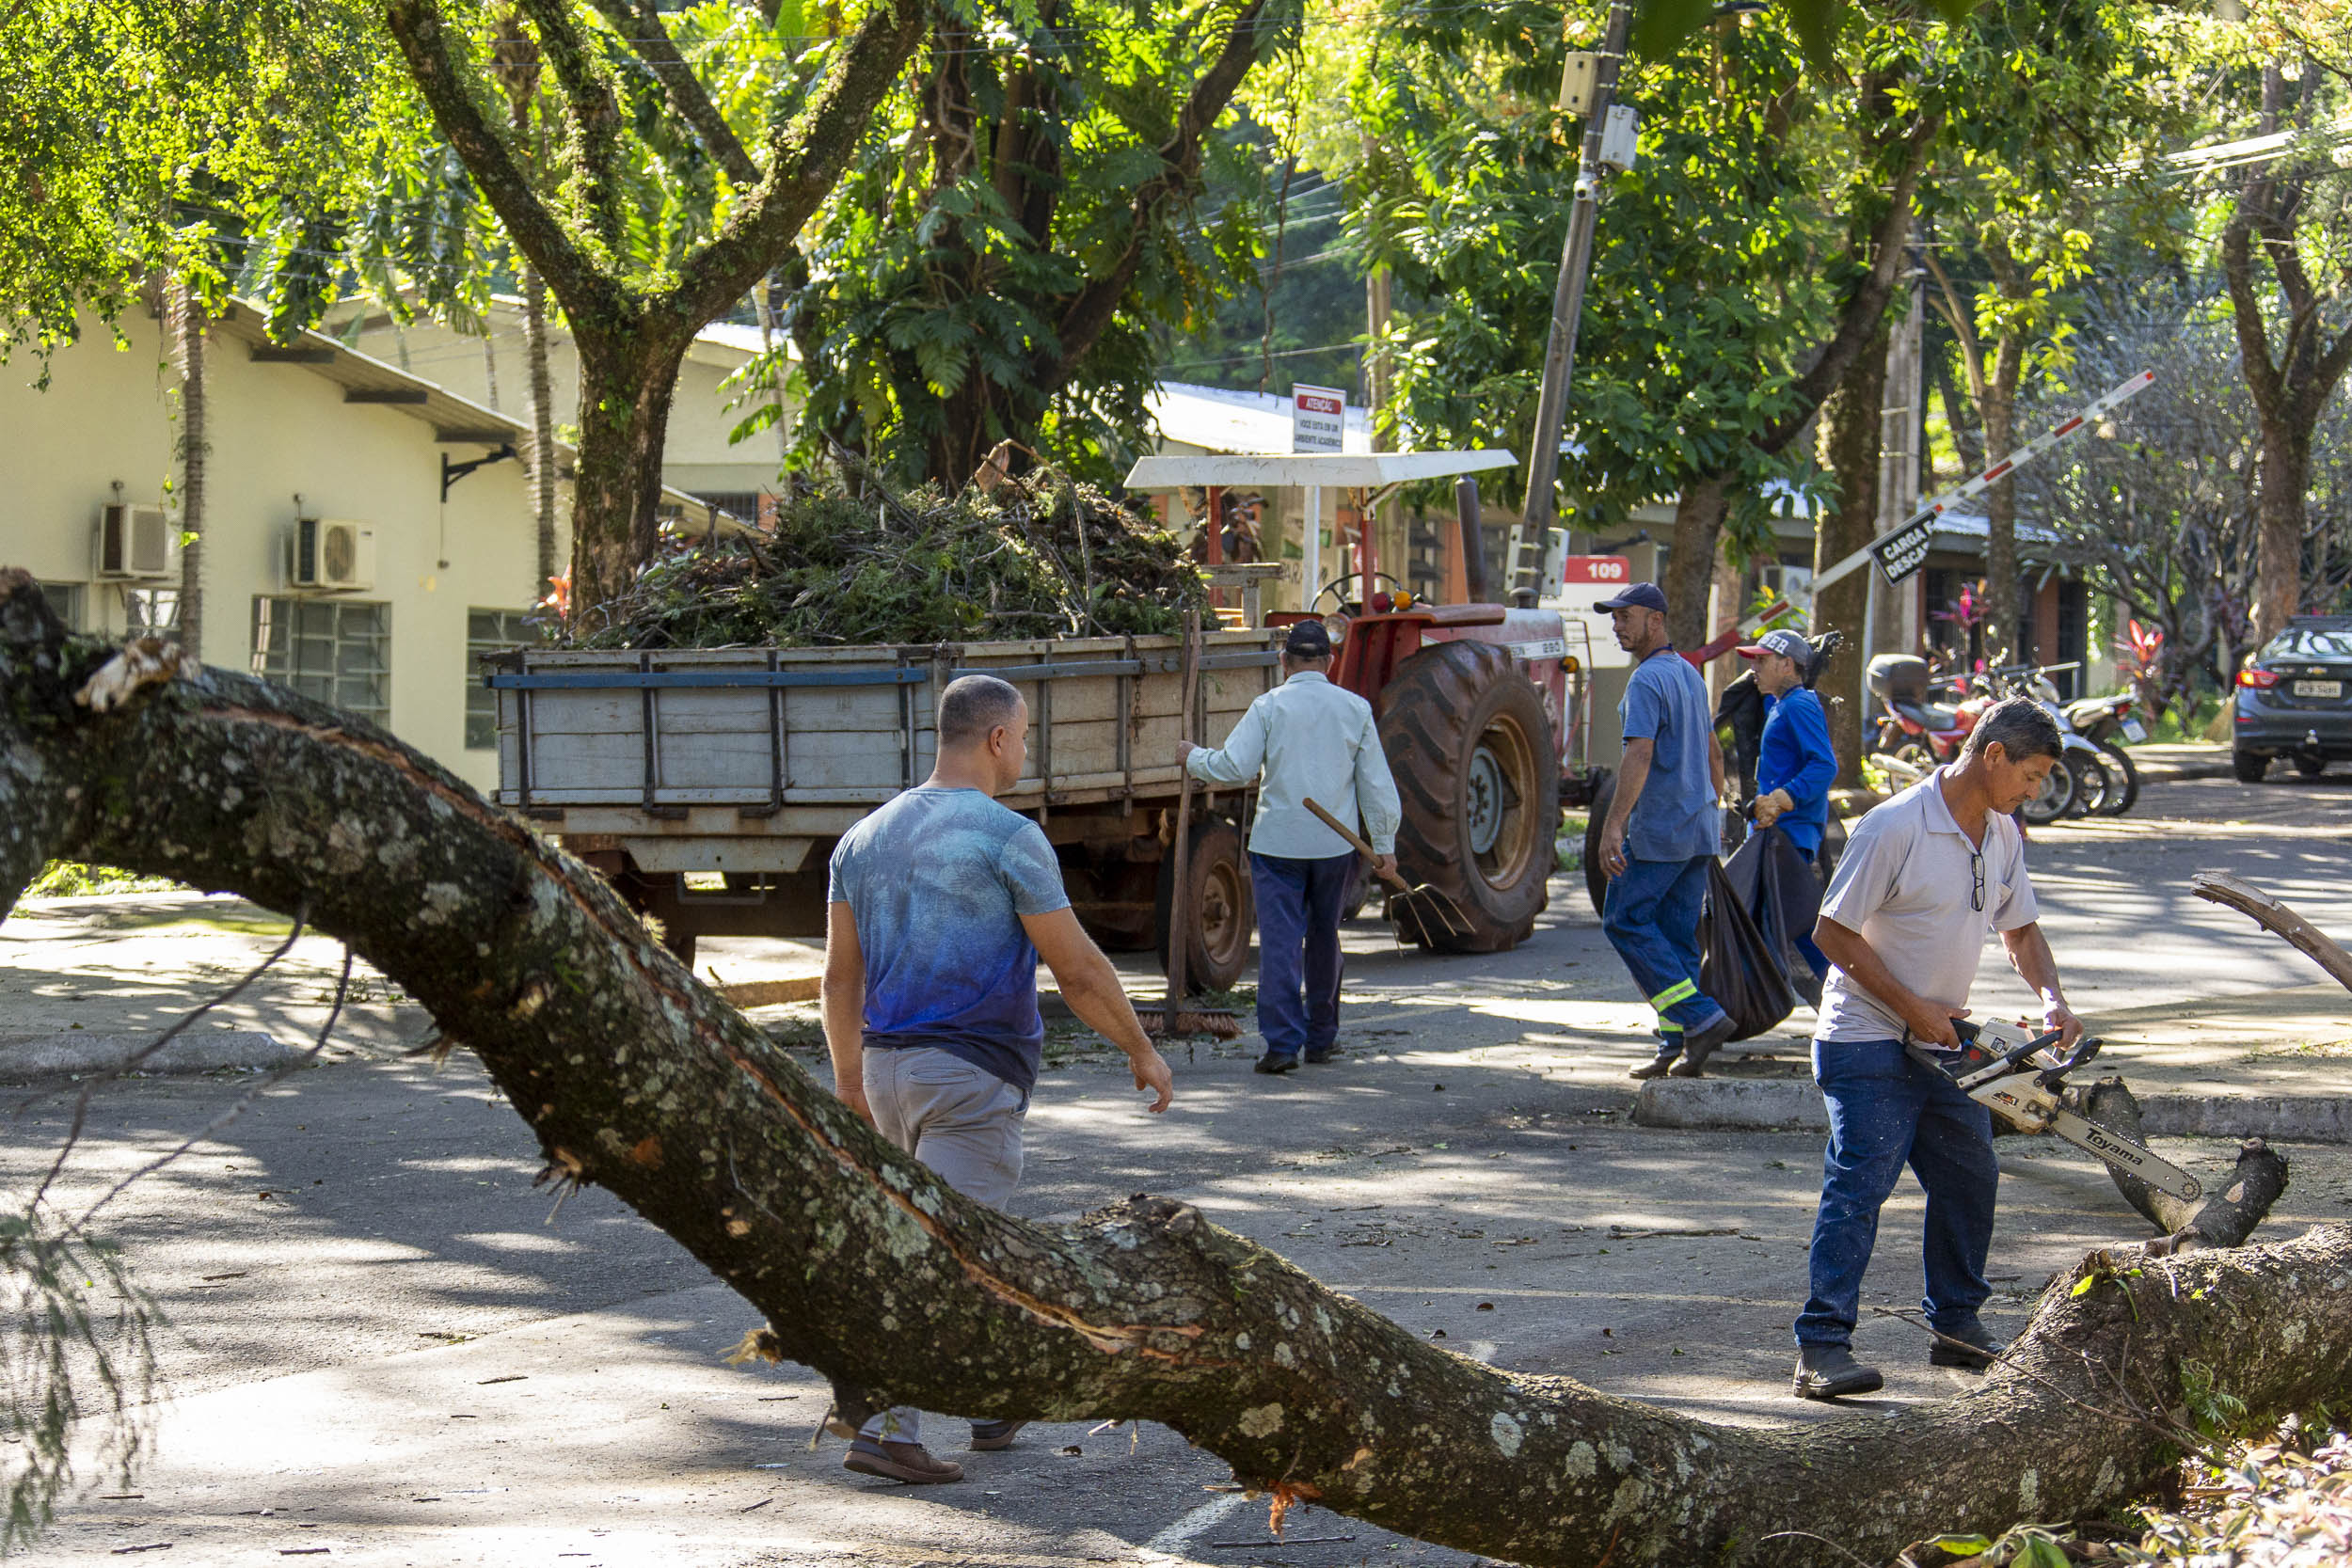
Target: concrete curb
(1794, 1105)
(25, 1058)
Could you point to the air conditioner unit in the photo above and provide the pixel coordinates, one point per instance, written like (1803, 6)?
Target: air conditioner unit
(136, 544)
(331, 554)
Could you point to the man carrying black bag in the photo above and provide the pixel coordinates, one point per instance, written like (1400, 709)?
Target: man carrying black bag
(1794, 764)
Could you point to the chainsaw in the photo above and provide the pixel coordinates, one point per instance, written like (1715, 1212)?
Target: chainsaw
(2019, 1078)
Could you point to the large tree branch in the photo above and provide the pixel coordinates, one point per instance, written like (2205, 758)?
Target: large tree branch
(805, 158)
(2278, 918)
(636, 1077)
(2246, 314)
(1090, 311)
(1958, 317)
(592, 121)
(648, 38)
(1859, 321)
(423, 34)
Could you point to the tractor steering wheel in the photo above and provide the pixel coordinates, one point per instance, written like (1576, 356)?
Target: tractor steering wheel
(1343, 580)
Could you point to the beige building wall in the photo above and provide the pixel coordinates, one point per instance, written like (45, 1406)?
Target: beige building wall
(276, 431)
(698, 458)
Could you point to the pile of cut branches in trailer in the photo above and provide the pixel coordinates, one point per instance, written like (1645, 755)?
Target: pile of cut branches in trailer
(1038, 555)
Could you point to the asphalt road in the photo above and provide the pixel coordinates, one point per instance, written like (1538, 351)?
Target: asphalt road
(383, 1342)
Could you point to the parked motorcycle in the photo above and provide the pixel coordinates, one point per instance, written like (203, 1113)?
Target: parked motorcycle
(2108, 723)
(2097, 721)
(1914, 735)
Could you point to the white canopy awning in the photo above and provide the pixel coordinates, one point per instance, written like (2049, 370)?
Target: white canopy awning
(1336, 469)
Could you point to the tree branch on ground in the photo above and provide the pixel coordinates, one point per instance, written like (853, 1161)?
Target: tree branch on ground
(864, 1266)
(2278, 918)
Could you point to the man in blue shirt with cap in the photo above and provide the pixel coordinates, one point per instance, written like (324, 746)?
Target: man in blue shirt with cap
(1794, 764)
(1661, 830)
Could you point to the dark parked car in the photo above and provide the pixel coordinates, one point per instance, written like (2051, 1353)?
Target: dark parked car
(2295, 699)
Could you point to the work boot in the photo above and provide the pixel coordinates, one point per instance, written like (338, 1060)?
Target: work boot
(909, 1462)
(1277, 1061)
(1699, 1044)
(1317, 1058)
(1830, 1372)
(994, 1436)
(1980, 1347)
(1657, 1069)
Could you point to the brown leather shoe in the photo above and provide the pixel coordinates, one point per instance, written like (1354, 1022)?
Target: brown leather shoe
(1654, 1069)
(909, 1462)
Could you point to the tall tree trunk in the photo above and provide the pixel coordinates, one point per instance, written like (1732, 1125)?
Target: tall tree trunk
(2004, 640)
(188, 330)
(1691, 563)
(627, 381)
(769, 296)
(2002, 576)
(1852, 436)
(1956, 419)
(540, 453)
(869, 1267)
(2286, 468)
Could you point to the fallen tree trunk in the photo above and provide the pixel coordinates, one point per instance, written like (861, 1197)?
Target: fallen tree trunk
(2224, 1219)
(636, 1077)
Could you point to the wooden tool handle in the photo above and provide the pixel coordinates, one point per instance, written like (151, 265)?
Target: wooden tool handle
(1355, 841)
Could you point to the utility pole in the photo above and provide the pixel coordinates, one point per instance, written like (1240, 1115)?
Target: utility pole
(1568, 299)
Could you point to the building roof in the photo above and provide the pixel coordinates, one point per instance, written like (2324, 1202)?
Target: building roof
(1332, 467)
(455, 421)
(1221, 419)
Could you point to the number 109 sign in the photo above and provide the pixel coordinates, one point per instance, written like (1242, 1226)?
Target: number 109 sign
(1584, 581)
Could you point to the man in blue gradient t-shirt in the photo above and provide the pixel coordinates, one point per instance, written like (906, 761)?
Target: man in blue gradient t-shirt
(941, 904)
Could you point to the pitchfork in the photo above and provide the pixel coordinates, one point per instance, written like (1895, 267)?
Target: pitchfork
(1406, 903)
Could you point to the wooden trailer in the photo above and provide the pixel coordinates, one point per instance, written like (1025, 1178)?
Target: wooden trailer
(711, 785)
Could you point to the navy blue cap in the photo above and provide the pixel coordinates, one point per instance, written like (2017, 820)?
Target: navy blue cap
(1641, 595)
(1308, 639)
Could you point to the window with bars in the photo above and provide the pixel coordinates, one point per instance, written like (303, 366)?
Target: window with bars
(152, 612)
(489, 631)
(65, 598)
(336, 651)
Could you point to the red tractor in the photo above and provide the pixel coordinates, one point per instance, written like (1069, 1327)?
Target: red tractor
(1480, 704)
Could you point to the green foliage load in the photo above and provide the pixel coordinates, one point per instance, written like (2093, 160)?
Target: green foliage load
(1039, 557)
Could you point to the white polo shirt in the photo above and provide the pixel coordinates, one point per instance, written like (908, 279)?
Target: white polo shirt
(1907, 883)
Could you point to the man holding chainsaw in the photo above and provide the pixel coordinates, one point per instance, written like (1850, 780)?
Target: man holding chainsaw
(1923, 877)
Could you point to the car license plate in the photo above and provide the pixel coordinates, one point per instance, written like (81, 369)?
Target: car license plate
(2134, 731)
(2319, 689)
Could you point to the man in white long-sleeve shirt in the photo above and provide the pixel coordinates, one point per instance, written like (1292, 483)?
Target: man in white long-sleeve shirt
(1310, 738)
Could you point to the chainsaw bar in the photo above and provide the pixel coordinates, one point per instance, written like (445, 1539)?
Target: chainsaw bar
(2026, 1106)
(2017, 1077)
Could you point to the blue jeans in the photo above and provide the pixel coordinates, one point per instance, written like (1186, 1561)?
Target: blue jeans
(1298, 948)
(1884, 1111)
(1652, 920)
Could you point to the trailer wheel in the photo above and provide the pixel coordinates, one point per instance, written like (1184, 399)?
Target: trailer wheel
(1471, 749)
(1217, 906)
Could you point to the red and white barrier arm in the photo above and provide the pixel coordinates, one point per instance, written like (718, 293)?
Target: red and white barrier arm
(2017, 459)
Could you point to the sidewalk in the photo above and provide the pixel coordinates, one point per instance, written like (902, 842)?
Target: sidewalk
(2172, 762)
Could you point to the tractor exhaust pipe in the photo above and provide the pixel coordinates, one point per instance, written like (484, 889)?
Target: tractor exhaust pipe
(1474, 538)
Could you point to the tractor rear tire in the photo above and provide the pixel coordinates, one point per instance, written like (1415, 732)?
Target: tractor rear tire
(1476, 767)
